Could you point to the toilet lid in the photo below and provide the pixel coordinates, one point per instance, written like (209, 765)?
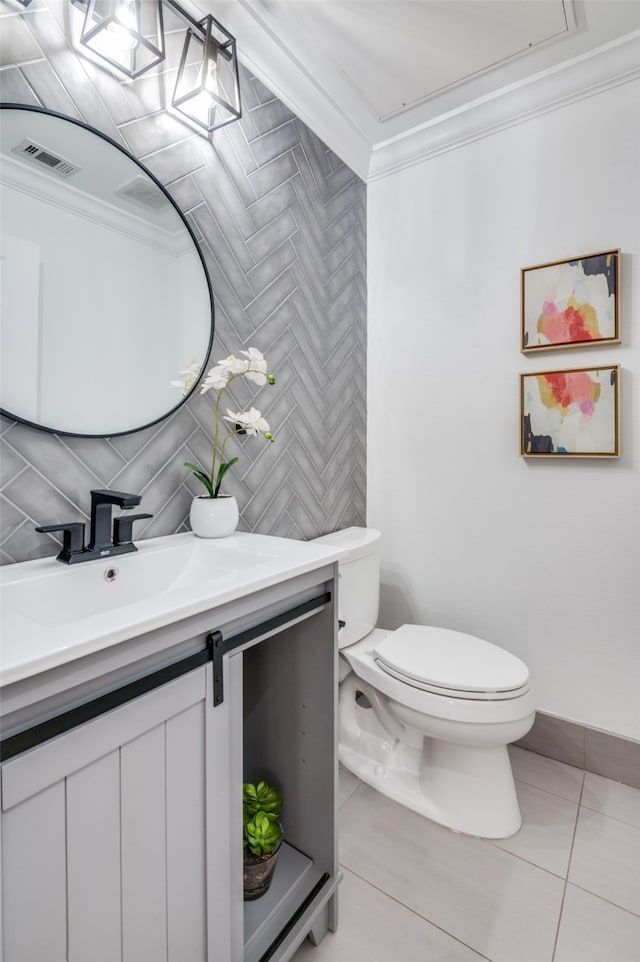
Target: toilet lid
(448, 660)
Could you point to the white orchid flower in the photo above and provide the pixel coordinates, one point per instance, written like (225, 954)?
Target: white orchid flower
(217, 378)
(220, 375)
(256, 366)
(251, 365)
(187, 376)
(250, 421)
(233, 365)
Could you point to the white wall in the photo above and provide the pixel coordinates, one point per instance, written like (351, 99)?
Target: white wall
(542, 558)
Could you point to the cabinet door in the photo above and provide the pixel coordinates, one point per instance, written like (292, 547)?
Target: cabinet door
(105, 836)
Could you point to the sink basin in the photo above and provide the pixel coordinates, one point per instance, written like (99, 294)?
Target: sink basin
(68, 594)
(52, 613)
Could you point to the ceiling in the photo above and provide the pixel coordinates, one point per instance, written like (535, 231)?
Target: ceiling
(363, 73)
(395, 55)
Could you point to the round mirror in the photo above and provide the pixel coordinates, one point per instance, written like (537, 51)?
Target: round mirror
(104, 294)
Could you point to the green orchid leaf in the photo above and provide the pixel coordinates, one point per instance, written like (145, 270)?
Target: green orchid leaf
(201, 476)
(221, 473)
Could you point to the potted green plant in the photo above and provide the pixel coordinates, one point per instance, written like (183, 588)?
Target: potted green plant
(262, 836)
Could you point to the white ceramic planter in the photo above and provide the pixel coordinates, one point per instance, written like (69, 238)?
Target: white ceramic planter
(214, 517)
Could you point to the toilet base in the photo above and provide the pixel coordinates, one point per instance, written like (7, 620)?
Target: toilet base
(468, 789)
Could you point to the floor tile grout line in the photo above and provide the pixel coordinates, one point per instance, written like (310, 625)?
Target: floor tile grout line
(615, 818)
(521, 858)
(580, 808)
(408, 908)
(495, 842)
(601, 898)
(566, 880)
(590, 807)
(540, 789)
(350, 795)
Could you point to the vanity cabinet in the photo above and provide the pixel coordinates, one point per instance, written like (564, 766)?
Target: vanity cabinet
(105, 831)
(122, 805)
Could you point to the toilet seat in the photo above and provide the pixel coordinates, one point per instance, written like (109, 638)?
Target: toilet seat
(443, 704)
(451, 663)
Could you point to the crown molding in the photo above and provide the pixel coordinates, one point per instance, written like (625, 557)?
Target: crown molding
(608, 66)
(273, 51)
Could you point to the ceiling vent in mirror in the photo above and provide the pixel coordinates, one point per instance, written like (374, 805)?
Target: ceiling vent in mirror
(142, 191)
(30, 150)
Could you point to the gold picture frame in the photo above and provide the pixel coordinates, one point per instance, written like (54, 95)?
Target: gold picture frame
(571, 303)
(572, 413)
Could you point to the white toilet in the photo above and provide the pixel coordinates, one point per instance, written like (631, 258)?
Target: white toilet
(426, 713)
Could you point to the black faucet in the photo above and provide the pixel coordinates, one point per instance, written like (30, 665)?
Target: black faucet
(102, 544)
(102, 502)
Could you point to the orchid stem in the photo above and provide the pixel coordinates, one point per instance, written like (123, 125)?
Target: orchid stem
(215, 437)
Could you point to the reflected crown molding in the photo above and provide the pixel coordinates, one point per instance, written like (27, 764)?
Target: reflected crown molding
(68, 198)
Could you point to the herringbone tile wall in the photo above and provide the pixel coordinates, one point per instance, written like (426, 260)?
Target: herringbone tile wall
(281, 222)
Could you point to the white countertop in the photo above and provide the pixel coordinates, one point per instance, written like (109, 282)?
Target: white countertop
(53, 613)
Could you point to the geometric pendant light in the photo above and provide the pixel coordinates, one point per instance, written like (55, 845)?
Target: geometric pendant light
(207, 88)
(128, 34)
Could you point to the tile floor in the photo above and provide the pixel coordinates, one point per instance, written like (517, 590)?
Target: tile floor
(566, 888)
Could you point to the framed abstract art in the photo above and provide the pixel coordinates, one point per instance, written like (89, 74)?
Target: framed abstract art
(572, 413)
(571, 303)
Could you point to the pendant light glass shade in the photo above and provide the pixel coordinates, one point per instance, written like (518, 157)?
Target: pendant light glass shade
(207, 87)
(128, 34)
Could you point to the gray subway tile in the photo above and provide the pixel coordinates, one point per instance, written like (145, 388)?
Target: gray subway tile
(269, 116)
(11, 463)
(172, 515)
(249, 209)
(274, 143)
(15, 89)
(271, 267)
(17, 44)
(267, 208)
(61, 470)
(10, 519)
(269, 237)
(175, 161)
(272, 174)
(98, 454)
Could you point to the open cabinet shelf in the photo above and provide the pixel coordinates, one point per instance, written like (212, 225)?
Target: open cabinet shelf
(289, 731)
(294, 879)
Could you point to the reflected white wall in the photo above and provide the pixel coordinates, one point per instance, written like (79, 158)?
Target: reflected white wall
(95, 329)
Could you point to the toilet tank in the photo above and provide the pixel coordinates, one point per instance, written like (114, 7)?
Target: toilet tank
(359, 586)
